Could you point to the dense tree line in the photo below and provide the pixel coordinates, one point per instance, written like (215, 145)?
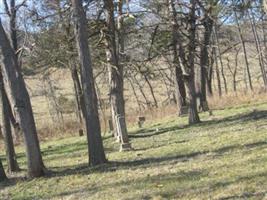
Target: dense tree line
(123, 42)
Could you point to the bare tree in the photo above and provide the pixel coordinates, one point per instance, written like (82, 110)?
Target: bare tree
(20, 100)
(95, 144)
(244, 50)
(115, 75)
(6, 130)
(179, 82)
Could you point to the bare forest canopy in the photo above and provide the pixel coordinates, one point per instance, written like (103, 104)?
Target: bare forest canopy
(93, 66)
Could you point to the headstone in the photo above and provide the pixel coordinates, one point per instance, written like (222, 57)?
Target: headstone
(141, 121)
(125, 145)
(110, 124)
(81, 132)
(184, 110)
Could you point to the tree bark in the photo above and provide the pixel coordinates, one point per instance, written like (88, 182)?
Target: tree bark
(204, 61)
(190, 78)
(115, 77)
(3, 176)
(78, 91)
(95, 144)
(217, 70)
(258, 47)
(19, 98)
(244, 51)
(220, 58)
(7, 132)
(179, 82)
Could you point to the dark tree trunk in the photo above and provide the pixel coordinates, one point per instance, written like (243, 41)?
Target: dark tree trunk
(19, 98)
(7, 132)
(180, 90)
(179, 82)
(204, 61)
(12, 25)
(78, 91)
(193, 113)
(190, 78)
(3, 176)
(95, 144)
(210, 71)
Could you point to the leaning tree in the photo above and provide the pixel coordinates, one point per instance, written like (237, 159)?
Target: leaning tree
(20, 100)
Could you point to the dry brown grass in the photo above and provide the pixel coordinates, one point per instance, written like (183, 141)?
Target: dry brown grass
(71, 126)
(235, 99)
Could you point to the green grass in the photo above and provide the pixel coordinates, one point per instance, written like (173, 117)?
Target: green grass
(224, 157)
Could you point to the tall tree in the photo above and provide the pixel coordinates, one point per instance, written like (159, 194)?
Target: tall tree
(6, 130)
(179, 82)
(242, 40)
(95, 144)
(116, 73)
(20, 101)
(187, 54)
(208, 22)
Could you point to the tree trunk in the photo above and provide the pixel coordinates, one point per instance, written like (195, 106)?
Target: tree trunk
(192, 110)
(115, 77)
(151, 90)
(95, 144)
(220, 58)
(217, 70)
(7, 132)
(258, 47)
(204, 61)
(244, 51)
(179, 82)
(190, 78)
(19, 98)
(3, 176)
(210, 71)
(78, 91)
(12, 25)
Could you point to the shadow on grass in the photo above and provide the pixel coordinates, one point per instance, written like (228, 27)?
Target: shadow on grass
(113, 166)
(174, 186)
(151, 181)
(239, 118)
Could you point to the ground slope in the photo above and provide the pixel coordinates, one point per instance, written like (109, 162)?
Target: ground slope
(224, 157)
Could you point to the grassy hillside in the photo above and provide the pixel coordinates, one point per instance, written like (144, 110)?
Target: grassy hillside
(224, 157)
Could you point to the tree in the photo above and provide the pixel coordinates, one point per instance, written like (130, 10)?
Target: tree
(95, 144)
(18, 96)
(179, 82)
(115, 74)
(187, 54)
(6, 130)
